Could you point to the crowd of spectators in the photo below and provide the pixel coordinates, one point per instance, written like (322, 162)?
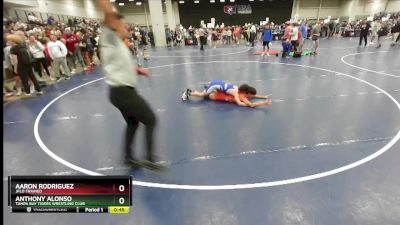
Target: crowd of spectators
(45, 52)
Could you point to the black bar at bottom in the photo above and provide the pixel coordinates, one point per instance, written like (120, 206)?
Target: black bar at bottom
(44, 209)
(59, 209)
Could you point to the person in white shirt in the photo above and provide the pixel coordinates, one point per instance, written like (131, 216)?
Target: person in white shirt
(203, 37)
(37, 50)
(58, 52)
(376, 25)
(253, 33)
(229, 35)
(294, 36)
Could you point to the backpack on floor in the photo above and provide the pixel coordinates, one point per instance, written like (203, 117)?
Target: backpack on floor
(297, 54)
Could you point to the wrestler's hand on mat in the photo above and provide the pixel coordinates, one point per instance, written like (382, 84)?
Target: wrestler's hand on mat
(268, 101)
(143, 71)
(261, 96)
(241, 104)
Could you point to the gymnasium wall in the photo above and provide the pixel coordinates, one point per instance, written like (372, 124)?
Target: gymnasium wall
(191, 14)
(43, 8)
(361, 8)
(22, 3)
(352, 9)
(140, 14)
(312, 9)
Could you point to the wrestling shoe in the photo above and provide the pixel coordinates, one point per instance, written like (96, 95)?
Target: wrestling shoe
(186, 94)
(132, 162)
(153, 165)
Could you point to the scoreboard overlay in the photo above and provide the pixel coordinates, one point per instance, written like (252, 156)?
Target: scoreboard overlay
(70, 194)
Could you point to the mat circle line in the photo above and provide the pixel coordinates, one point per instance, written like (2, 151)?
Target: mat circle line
(365, 69)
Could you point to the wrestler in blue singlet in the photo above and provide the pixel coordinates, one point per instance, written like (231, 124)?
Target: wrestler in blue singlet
(219, 85)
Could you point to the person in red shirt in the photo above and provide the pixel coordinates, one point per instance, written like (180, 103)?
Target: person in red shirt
(48, 32)
(236, 35)
(286, 45)
(214, 38)
(71, 41)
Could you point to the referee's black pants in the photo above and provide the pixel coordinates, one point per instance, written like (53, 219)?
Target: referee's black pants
(135, 110)
(203, 41)
(25, 72)
(363, 36)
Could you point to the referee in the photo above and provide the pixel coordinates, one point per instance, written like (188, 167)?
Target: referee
(120, 71)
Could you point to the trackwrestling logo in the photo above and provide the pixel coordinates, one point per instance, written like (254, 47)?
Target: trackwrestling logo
(230, 9)
(237, 9)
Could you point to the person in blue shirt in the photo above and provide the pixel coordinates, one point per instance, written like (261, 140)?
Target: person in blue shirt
(50, 20)
(266, 37)
(304, 34)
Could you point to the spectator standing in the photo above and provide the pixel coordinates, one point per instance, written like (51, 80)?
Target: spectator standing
(304, 34)
(395, 32)
(58, 52)
(364, 32)
(376, 26)
(71, 41)
(294, 36)
(266, 38)
(286, 44)
(203, 37)
(315, 34)
(37, 50)
(23, 60)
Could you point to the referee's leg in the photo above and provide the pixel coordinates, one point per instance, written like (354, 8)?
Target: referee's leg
(144, 114)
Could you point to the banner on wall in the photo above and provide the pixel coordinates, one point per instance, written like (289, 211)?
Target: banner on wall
(237, 9)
